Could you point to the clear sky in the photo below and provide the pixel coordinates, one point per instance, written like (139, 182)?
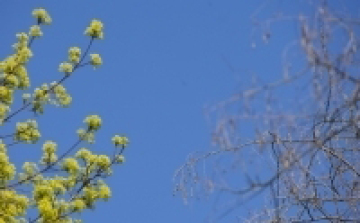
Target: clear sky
(164, 62)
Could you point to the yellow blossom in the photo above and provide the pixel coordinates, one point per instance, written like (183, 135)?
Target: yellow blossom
(62, 97)
(86, 135)
(41, 15)
(12, 204)
(22, 41)
(95, 60)
(21, 73)
(103, 161)
(22, 37)
(27, 131)
(29, 168)
(90, 195)
(9, 64)
(71, 165)
(7, 169)
(35, 31)
(41, 94)
(74, 54)
(104, 192)
(42, 191)
(120, 140)
(49, 149)
(3, 148)
(6, 95)
(24, 54)
(4, 109)
(83, 153)
(47, 210)
(93, 122)
(119, 159)
(78, 204)
(11, 81)
(66, 67)
(95, 29)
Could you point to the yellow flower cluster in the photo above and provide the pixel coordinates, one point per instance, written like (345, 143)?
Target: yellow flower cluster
(43, 95)
(29, 169)
(2, 146)
(13, 74)
(66, 67)
(6, 95)
(93, 122)
(22, 41)
(18, 78)
(12, 205)
(35, 31)
(47, 210)
(27, 131)
(46, 192)
(85, 155)
(103, 162)
(70, 165)
(78, 205)
(4, 109)
(42, 16)
(74, 54)
(30, 174)
(95, 60)
(51, 206)
(87, 136)
(45, 197)
(95, 29)
(62, 97)
(40, 98)
(92, 193)
(93, 161)
(7, 169)
(120, 141)
(49, 194)
(49, 152)
(120, 159)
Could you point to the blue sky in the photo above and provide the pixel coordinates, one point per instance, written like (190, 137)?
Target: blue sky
(164, 63)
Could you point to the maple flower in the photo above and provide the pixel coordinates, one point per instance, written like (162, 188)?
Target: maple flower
(95, 29)
(42, 16)
(66, 67)
(35, 31)
(95, 60)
